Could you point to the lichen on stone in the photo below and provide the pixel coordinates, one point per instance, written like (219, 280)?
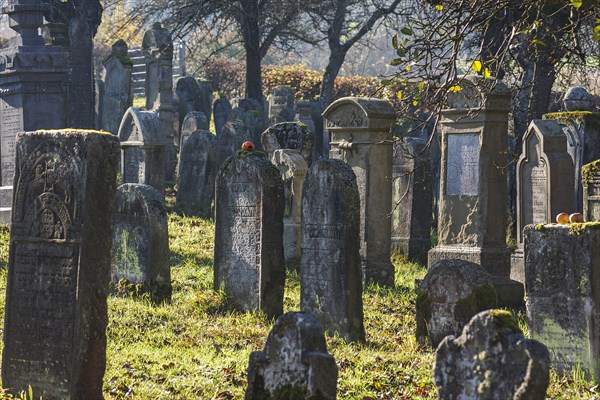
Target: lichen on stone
(579, 228)
(590, 170)
(569, 115)
(504, 319)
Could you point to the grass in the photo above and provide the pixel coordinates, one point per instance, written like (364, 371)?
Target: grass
(196, 348)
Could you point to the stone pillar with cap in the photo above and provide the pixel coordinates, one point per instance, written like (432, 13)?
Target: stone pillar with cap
(361, 136)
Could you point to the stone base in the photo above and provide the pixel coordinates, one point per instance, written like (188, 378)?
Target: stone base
(414, 249)
(6, 193)
(517, 266)
(381, 273)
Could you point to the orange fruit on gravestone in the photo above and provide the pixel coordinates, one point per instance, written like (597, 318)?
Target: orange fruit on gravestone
(562, 218)
(575, 218)
(248, 146)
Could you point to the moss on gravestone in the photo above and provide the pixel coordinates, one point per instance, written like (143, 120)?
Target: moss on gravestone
(589, 171)
(481, 298)
(423, 306)
(504, 319)
(579, 228)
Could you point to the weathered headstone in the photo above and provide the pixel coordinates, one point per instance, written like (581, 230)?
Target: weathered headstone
(29, 66)
(281, 105)
(330, 271)
(288, 135)
(412, 198)
(545, 179)
(295, 364)
(293, 168)
(590, 174)
(140, 252)
(473, 199)
(563, 293)
(222, 109)
(205, 101)
(193, 121)
(230, 140)
(251, 114)
(304, 115)
(59, 264)
(451, 293)
(117, 87)
(249, 261)
(157, 46)
(142, 149)
(196, 178)
(362, 138)
(491, 360)
(187, 93)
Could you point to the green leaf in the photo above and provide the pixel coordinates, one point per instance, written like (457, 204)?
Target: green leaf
(396, 61)
(486, 73)
(415, 103)
(399, 95)
(476, 66)
(439, 7)
(401, 52)
(454, 89)
(421, 85)
(395, 41)
(538, 42)
(576, 3)
(407, 31)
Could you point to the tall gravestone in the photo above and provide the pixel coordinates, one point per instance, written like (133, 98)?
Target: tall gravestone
(187, 93)
(562, 267)
(249, 260)
(473, 199)
(192, 122)
(33, 78)
(304, 114)
(288, 135)
(330, 271)
(221, 111)
(412, 198)
(117, 87)
(361, 137)
(591, 191)
(581, 124)
(232, 136)
(59, 264)
(205, 103)
(142, 149)
(491, 360)
(545, 177)
(281, 105)
(294, 364)
(196, 175)
(157, 46)
(293, 168)
(140, 252)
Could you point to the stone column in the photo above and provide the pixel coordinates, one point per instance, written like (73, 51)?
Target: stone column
(591, 191)
(361, 137)
(33, 79)
(473, 190)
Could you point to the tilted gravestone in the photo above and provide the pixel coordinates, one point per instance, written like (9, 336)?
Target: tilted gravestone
(249, 261)
(288, 135)
(412, 199)
(59, 264)
(295, 364)
(193, 121)
(544, 182)
(361, 137)
(591, 191)
(196, 176)
(293, 168)
(232, 136)
(451, 293)
(563, 293)
(491, 360)
(142, 149)
(281, 105)
(472, 205)
(140, 252)
(117, 87)
(33, 78)
(221, 111)
(330, 273)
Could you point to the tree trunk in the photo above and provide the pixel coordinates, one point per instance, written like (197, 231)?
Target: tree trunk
(336, 59)
(251, 36)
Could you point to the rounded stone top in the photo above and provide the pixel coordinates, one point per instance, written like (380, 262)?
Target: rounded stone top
(193, 121)
(475, 91)
(140, 126)
(578, 98)
(360, 112)
(157, 37)
(119, 48)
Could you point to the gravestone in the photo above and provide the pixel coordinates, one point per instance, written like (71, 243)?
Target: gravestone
(293, 168)
(545, 178)
(295, 364)
(187, 92)
(59, 264)
(491, 360)
(205, 101)
(28, 66)
(281, 105)
(251, 114)
(412, 198)
(581, 124)
(142, 149)
(221, 111)
(140, 252)
(361, 137)
(196, 178)
(157, 46)
(304, 115)
(561, 278)
(330, 272)
(591, 191)
(230, 140)
(249, 261)
(451, 293)
(288, 135)
(473, 192)
(193, 121)
(117, 87)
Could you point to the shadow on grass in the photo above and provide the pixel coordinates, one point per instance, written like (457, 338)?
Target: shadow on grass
(382, 291)
(177, 258)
